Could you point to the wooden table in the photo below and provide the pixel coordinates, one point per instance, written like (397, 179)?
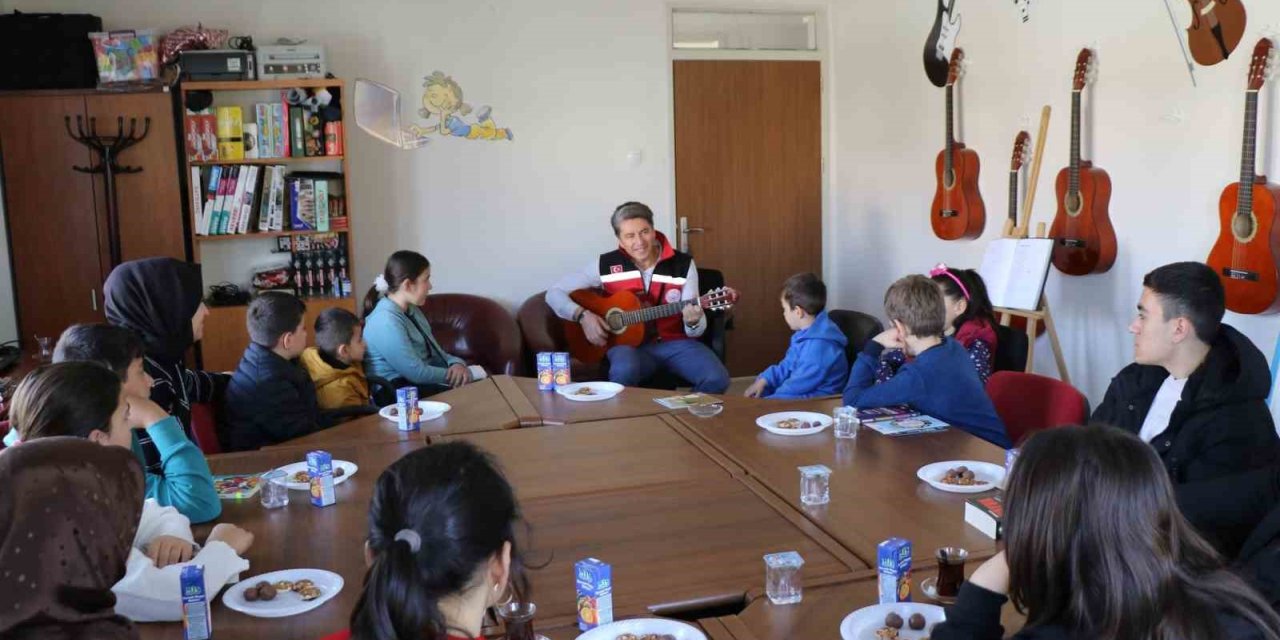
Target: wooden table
(874, 490)
(553, 409)
(479, 406)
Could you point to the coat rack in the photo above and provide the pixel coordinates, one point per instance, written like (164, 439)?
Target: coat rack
(109, 149)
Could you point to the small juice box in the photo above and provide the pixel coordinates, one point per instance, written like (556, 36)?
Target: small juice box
(408, 413)
(560, 365)
(595, 593)
(320, 468)
(894, 563)
(546, 376)
(196, 623)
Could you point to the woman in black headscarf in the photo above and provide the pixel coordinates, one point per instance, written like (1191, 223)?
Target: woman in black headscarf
(160, 299)
(65, 538)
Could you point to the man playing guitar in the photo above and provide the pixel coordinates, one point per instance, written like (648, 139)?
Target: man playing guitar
(647, 265)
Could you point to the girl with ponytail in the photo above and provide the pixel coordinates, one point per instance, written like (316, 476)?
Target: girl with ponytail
(441, 548)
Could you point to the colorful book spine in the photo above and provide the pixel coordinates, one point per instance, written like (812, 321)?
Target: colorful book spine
(195, 186)
(280, 120)
(230, 133)
(210, 197)
(246, 205)
(224, 184)
(262, 113)
(191, 132)
(208, 136)
(231, 220)
(322, 204)
(251, 149)
(333, 138)
(264, 205)
(297, 144)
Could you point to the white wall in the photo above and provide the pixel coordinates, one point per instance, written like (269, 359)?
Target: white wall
(1168, 147)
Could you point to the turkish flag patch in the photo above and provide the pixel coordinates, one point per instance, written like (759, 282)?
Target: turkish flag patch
(617, 268)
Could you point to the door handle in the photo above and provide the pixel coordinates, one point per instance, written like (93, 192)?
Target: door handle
(685, 230)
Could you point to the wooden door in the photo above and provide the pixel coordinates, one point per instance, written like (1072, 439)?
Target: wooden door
(49, 209)
(749, 173)
(150, 202)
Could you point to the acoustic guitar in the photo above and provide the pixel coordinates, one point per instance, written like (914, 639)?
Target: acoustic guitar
(1021, 143)
(1216, 29)
(957, 211)
(1244, 256)
(629, 319)
(1084, 241)
(940, 43)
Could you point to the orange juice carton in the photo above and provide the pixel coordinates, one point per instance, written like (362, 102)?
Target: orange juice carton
(196, 624)
(408, 413)
(560, 366)
(893, 560)
(546, 375)
(595, 593)
(320, 470)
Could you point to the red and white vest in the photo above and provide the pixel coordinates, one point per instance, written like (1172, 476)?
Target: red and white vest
(619, 273)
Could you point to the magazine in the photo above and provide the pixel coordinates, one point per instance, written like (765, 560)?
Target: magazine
(908, 426)
(237, 486)
(886, 413)
(687, 400)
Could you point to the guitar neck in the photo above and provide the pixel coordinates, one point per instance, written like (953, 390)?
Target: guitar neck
(1013, 197)
(1073, 181)
(649, 314)
(950, 135)
(1244, 201)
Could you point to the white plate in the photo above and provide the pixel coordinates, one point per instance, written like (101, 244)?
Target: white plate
(284, 604)
(603, 391)
(863, 623)
(993, 474)
(641, 626)
(348, 469)
(766, 422)
(430, 410)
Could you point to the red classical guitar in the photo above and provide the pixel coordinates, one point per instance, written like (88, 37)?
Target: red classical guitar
(957, 212)
(1083, 240)
(1245, 254)
(627, 318)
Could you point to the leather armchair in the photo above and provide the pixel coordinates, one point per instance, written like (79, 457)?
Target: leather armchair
(476, 329)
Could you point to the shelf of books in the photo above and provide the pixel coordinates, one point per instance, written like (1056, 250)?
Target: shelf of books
(266, 169)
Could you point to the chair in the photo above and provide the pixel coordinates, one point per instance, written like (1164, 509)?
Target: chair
(204, 427)
(544, 331)
(477, 330)
(858, 328)
(1027, 402)
(1011, 349)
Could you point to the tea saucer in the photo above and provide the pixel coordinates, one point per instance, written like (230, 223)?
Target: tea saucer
(929, 588)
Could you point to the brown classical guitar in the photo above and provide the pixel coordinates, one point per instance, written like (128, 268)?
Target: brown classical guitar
(957, 212)
(1216, 29)
(1083, 240)
(1245, 254)
(628, 318)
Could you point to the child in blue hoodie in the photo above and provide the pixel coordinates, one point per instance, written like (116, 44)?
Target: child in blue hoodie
(815, 364)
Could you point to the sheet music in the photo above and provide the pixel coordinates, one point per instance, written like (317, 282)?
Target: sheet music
(1014, 271)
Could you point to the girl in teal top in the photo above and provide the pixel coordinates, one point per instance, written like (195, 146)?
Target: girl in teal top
(400, 346)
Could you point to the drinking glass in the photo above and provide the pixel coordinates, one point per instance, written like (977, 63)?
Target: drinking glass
(950, 571)
(517, 618)
(275, 489)
(815, 484)
(846, 422)
(45, 346)
(782, 577)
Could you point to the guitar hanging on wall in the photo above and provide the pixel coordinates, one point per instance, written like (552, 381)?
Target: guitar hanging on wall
(941, 42)
(1021, 143)
(1216, 29)
(1083, 240)
(957, 211)
(1244, 256)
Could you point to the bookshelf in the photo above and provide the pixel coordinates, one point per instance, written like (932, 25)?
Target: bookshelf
(233, 257)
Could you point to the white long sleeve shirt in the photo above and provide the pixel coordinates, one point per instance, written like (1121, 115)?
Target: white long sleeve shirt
(589, 278)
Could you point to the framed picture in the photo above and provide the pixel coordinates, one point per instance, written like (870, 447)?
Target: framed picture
(284, 244)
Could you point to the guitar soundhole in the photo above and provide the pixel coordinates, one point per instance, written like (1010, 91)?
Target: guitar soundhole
(1243, 227)
(1071, 243)
(614, 319)
(1239, 274)
(1072, 203)
(949, 179)
(948, 213)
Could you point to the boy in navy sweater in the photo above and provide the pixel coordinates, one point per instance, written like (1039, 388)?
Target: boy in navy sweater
(940, 382)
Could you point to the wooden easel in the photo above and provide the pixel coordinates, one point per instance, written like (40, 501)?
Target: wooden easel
(1019, 232)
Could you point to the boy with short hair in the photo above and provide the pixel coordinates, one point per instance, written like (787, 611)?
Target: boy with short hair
(270, 398)
(335, 364)
(815, 364)
(940, 382)
(184, 480)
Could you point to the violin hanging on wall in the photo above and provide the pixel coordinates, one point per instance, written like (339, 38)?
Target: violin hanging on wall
(957, 211)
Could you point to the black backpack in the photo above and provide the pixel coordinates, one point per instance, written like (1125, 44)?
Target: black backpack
(47, 51)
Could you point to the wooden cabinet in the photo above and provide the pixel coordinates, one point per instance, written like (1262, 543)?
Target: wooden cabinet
(57, 217)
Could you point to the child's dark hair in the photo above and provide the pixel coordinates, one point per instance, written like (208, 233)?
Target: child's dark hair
(1190, 290)
(113, 347)
(979, 303)
(335, 327)
(65, 399)
(805, 290)
(401, 266)
(273, 314)
(455, 501)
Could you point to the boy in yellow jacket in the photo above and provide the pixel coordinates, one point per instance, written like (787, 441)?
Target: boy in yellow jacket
(336, 363)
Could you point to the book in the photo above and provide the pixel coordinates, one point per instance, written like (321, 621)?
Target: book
(280, 129)
(191, 133)
(210, 197)
(278, 201)
(219, 203)
(297, 144)
(916, 424)
(231, 216)
(246, 205)
(237, 486)
(886, 413)
(322, 204)
(333, 138)
(230, 133)
(264, 198)
(310, 140)
(1014, 271)
(986, 514)
(266, 148)
(687, 400)
(250, 140)
(195, 185)
(208, 136)
(302, 209)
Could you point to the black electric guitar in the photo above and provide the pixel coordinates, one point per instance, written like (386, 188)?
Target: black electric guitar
(942, 39)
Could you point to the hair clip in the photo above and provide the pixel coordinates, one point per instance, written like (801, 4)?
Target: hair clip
(410, 536)
(942, 270)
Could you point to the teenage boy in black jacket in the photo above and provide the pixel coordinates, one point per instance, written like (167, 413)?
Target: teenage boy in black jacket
(1197, 388)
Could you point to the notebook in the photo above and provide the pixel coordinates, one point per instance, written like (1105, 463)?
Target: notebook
(1014, 271)
(907, 426)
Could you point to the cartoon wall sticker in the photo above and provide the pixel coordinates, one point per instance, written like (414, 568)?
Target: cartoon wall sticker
(446, 114)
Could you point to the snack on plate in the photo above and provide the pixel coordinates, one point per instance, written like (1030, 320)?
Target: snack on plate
(584, 391)
(309, 593)
(961, 476)
(301, 476)
(893, 620)
(338, 472)
(283, 585)
(886, 633)
(916, 621)
(790, 424)
(263, 591)
(303, 584)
